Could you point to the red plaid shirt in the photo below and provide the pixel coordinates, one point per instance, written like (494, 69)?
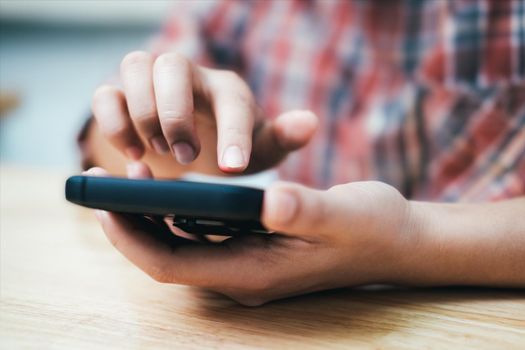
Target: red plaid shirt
(428, 96)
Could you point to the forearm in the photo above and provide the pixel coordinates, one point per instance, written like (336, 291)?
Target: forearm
(466, 244)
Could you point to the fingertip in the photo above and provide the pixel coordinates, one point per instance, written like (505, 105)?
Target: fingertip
(138, 170)
(99, 214)
(184, 152)
(95, 171)
(159, 144)
(135, 58)
(299, 123)
(302, 116)
(102, 93)
(233, 159)
(294, 129)
(310, 121)
(231, 170)
(104, 218)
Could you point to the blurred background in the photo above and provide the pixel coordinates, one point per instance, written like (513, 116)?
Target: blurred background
(53, 54)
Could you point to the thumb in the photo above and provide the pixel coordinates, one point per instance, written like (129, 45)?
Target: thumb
(275, 139)
(294, 129)
(299, 211)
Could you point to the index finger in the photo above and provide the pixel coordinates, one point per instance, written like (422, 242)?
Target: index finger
(235, 110)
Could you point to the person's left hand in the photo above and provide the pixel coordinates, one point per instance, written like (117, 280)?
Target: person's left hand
(349, 235)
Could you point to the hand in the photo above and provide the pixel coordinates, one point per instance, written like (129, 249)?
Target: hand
(350, 235)
(169, 104)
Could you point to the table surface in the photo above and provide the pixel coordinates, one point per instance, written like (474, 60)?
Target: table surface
(63, 286)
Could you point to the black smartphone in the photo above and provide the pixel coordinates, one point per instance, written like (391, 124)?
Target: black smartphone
(194, 207)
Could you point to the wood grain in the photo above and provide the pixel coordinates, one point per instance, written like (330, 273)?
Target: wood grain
(62, 286)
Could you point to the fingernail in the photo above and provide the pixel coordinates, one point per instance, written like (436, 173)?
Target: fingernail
(281, 206)
(184, 152)
(134, 152)
(233, 158)
(159, 144)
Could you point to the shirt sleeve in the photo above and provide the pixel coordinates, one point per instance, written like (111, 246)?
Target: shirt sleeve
(477, 138)
(480, 148)
(207, 32)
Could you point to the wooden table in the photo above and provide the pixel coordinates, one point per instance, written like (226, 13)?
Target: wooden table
(63, 286)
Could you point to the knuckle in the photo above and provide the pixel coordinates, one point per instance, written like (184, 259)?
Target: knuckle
(135, 58)
(173, 114)
(233, 90)
(233, 78)
(173, 59)
(116, 130)
(175, 128)
(337, 188)
(236, 133)
(245, 96)
(144, 116)
(104, 91)
(239, 97)
(229, 75)
(173, 119)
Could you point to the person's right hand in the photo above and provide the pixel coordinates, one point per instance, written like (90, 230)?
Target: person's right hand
(164, 101)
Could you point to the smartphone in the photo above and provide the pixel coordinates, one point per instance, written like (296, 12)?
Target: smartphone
(194, 207)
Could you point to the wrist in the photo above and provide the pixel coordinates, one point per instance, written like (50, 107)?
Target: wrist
(410, 245)
(463, 244)
(395, 254)
(449, 246)
(419, 235)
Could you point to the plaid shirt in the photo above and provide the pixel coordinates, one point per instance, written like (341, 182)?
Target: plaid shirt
(428, 96)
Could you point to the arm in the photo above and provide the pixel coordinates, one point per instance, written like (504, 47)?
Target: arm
(475, 244)
(353, 234)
